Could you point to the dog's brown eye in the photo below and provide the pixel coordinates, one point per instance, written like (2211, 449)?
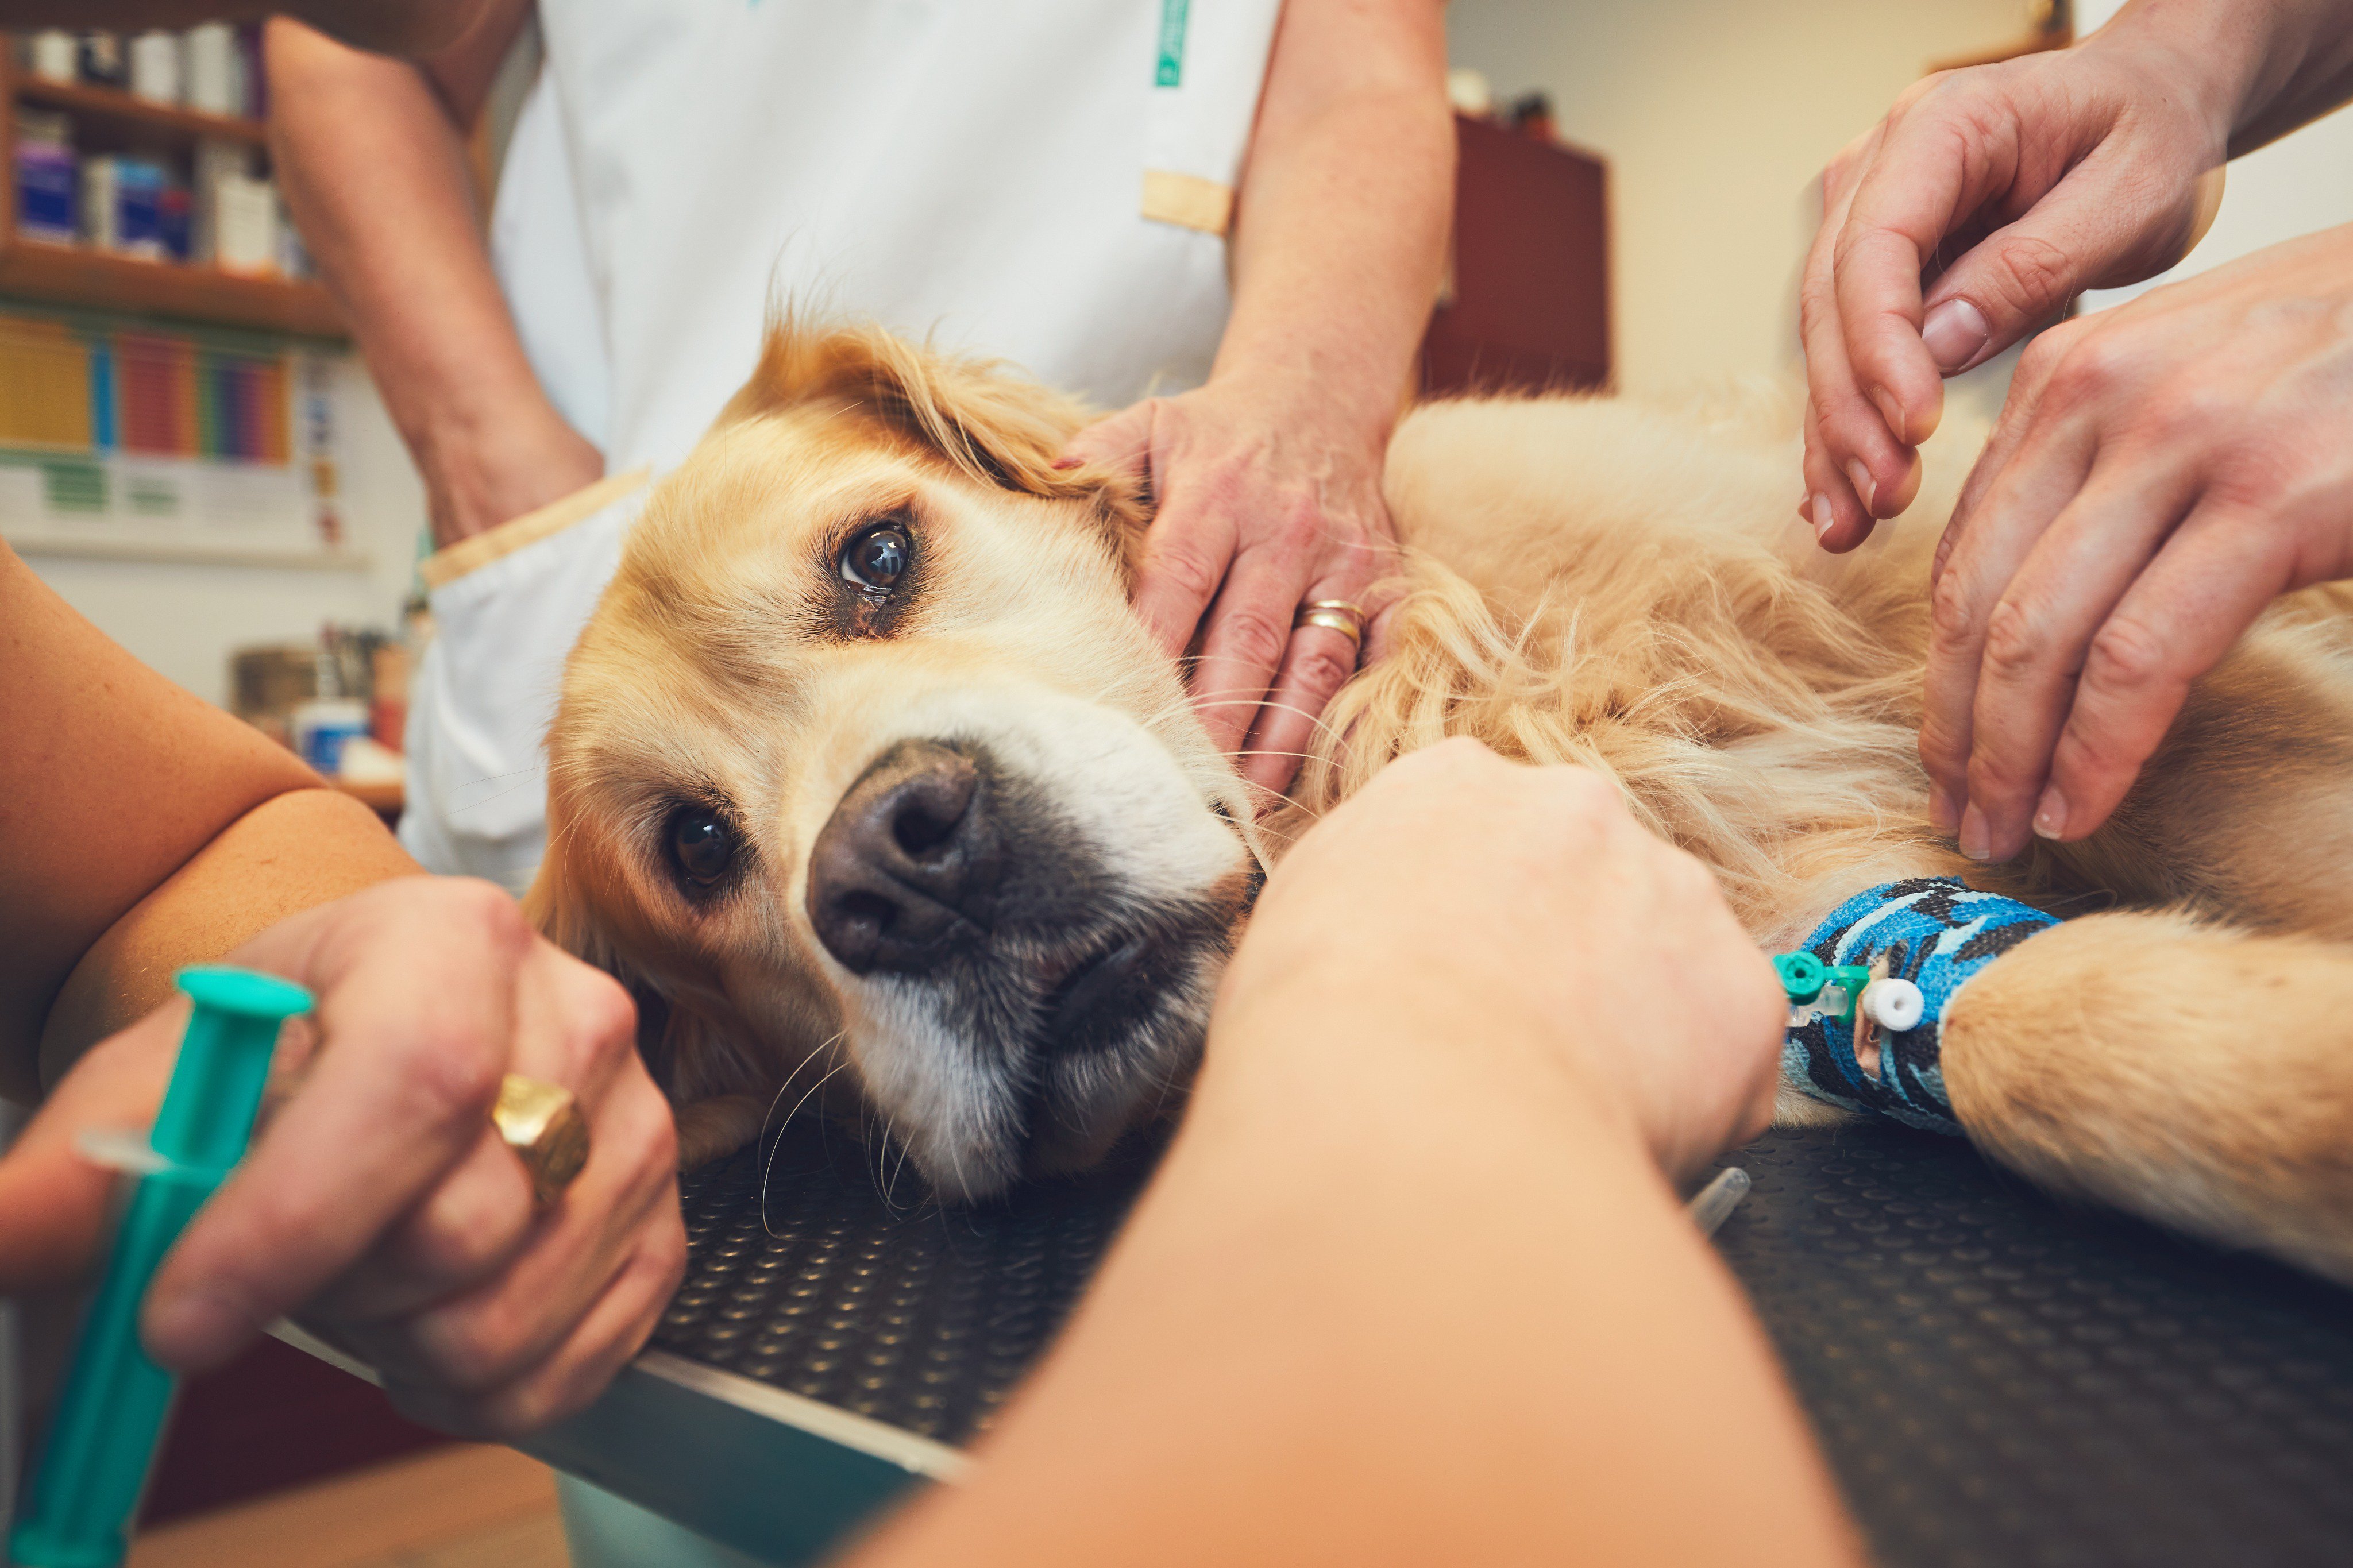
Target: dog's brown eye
(702, 845)
(877, 558)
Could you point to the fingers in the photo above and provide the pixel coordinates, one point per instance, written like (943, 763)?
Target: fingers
(1122, 442)
(519, 1303)
(53, 1202)
(400, 1093)
(2037, 639)
(1833, 505)
(2205, 587)
(1944, 154)
(563, 1381)
(2094, 226)
(2039, 471)
(1184, 563)
(1318, 662)
(624, 1202)
(1192, 537)
(1249, 633)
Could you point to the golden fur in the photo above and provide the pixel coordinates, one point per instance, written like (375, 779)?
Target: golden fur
(1591, 582)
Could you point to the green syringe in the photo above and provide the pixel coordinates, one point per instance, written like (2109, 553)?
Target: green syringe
(94, 1466)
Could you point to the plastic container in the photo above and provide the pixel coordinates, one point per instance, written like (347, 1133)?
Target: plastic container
(321, 727)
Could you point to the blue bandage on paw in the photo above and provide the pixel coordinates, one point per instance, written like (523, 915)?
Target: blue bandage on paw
(1933, 931)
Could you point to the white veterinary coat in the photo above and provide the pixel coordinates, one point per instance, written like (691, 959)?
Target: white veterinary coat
(978, 171)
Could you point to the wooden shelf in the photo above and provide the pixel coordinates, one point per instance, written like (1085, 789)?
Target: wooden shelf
(100, 281)
(94, 280)
(120, 108)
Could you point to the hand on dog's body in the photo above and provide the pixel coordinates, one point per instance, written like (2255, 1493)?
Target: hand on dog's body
(379, 1204)
(2170, 504)
(1267, 479)
(2163, 470)
(1409, 1287)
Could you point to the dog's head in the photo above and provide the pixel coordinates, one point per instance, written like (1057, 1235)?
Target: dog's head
(863, 767)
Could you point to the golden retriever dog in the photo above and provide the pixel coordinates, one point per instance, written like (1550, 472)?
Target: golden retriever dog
(869, 784)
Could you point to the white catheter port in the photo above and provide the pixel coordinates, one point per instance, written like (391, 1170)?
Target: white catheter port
(1894, 1005)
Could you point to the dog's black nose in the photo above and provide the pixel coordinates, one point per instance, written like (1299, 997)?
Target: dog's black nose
(908, 856)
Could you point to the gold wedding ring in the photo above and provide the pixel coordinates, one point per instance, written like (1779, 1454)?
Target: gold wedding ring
(1333, 616)
(541, 1122)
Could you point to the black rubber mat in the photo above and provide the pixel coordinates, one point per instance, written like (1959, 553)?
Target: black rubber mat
(1998, 1380)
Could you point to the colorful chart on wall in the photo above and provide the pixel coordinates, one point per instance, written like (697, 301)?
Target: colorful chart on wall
(154, 443)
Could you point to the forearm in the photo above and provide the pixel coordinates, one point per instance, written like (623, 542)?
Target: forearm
(374, 169)
(397, 27)
(1395, 1298)
(1342, 220)
(292, 852)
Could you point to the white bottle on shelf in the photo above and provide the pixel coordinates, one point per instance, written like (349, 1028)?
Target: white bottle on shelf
(54, 57)
(215, 74)
(156, 67)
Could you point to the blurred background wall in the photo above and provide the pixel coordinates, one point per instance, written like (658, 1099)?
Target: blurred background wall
(1715, 117)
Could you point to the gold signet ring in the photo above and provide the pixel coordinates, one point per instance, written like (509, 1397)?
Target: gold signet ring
(541, 1122)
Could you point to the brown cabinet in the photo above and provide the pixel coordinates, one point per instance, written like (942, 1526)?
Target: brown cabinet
(1528, 303)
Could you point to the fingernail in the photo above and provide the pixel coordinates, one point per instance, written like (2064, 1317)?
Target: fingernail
(1954, 333)
(1864, 485)
(1066, 462)
(1823, 516)
(1977, 839)
(1889, 410)
(1943, 811)
(2050, 816)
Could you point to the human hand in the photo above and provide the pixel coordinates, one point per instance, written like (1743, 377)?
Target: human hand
(492, 470)
(2004, 191)
(378, 1203)
(1268, 497)
(1485, 904)
(2161, 471)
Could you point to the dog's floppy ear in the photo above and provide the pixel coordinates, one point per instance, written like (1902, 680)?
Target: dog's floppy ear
(984, 419)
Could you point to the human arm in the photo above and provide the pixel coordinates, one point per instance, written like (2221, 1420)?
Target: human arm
(1409, 1287)
(1990, 198)
(142, 829)
(394, 27)
(1268, 478)
(139, 829)
(370, 154)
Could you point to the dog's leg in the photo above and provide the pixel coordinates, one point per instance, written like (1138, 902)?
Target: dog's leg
(713, 1129)
(2194, 1074)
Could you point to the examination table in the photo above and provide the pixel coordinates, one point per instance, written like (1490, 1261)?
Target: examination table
(2000, 1380)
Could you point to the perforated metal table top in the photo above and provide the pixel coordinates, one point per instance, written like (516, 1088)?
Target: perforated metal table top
(1998, 1379)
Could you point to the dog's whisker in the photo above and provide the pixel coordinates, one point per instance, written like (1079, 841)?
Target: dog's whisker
(787, 1122)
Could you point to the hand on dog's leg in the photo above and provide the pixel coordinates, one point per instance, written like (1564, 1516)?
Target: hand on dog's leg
(2190, 1074)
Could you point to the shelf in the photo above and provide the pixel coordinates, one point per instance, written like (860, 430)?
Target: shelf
(97, 280)
(122, 109)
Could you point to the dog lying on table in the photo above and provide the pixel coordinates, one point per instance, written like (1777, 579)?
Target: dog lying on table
(867, 781)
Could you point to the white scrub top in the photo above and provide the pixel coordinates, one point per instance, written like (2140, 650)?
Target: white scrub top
(1044, 181)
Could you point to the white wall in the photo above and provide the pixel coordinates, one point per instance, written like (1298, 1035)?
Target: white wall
(183, 619)
(1716, 116)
